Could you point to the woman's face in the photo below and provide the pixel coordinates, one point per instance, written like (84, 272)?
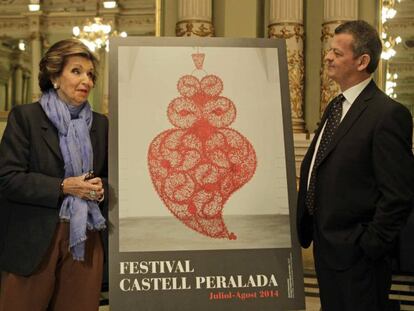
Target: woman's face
(76, 80)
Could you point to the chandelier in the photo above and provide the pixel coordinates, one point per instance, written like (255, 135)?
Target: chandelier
(389, 42)
(391, 84)
(95, 34)
(34, 5)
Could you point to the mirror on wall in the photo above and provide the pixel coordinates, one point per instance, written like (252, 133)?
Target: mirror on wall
(399, 69)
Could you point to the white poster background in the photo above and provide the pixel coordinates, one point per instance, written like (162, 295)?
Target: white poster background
(148, 79)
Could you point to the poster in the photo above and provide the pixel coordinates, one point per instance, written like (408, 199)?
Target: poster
(202, 176)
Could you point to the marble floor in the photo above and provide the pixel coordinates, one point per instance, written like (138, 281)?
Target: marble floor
(312, 304)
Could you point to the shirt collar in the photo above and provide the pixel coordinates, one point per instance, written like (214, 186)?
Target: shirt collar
(353, 92)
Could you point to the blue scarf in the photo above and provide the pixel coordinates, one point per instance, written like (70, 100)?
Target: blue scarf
(75, 145)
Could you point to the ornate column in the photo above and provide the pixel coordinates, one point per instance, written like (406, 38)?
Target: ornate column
(10, 103)
(286, 22)
(194, 19)
(18, 85)
(36, 55)
(26, 87)
(36, 52)
(335, 13)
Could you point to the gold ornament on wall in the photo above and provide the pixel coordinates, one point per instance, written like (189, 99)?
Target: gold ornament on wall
(296, 81)
(196, 28)
(294, 35)
(285, 33)
(329, 88)
(327, 34)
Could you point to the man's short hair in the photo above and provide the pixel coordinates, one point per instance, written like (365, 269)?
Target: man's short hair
(366, 41)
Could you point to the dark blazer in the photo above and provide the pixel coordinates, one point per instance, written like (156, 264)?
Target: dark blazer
(365, 183)
(31, 170)
(406, 247)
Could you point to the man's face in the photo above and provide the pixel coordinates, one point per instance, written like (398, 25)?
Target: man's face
(341, 63)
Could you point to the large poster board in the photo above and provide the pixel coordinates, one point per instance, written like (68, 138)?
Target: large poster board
(202, 176)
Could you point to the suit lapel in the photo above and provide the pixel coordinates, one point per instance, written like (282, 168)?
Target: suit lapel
(51, 137)
(353, 114)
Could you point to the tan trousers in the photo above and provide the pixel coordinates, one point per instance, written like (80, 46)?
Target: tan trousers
(60, 283)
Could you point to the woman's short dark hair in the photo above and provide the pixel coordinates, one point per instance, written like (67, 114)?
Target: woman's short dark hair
(366, 41)
(55, 59)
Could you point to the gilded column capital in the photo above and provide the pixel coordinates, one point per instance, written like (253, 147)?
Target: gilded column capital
(17, 67)
(35, 35)
(198, 28)
(287, 31)
(26, 73)
(194, 18)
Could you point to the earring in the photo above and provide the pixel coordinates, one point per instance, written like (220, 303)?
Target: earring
(55, 86)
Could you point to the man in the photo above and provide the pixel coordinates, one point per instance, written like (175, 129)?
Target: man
(357, 178)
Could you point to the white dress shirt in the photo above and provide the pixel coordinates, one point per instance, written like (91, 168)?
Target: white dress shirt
(350, 95)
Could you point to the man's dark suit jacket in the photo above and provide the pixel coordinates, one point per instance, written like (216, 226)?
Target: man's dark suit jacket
(31, 170)
(365, 183)
(406, 248)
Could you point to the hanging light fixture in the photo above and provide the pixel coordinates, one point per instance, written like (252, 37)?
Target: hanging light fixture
(109, 4)
(34, 5)
(389, 42)
(95, 34)
(391, 84)
(21, 45)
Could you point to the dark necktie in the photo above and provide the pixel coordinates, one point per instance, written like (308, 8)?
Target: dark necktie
(332, 124)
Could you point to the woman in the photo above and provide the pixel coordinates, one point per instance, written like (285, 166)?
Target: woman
(50, 248)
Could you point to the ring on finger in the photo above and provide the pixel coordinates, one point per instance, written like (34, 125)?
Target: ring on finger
(92, 193)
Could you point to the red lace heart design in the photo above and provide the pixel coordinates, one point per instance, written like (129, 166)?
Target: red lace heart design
(196, 166)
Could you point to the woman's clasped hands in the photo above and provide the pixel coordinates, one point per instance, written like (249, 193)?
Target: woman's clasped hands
(84, 186)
